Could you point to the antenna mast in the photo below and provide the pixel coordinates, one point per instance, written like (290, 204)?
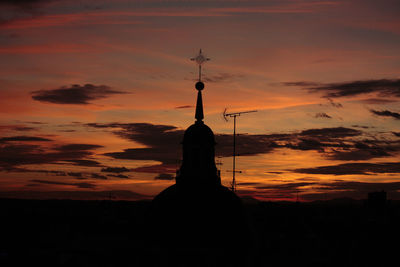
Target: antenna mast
(234, 115)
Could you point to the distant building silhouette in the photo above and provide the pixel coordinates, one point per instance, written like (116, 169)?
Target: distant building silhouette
(198, 221)
(377, 199)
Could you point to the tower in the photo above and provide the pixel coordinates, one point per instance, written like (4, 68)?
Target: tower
(198, 219)
(198, 164)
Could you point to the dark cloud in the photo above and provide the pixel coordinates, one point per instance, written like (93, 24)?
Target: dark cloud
(366, 149)
(288, 187)
(322, 115)
(301, 84)
(246, 144)
(320, 190)
(84, 162)
(396, 134)
(182, 107)
(115, 169)
(323, 140)
(159, 168)
(23, 3)
(14, 10)
(76, 94)
(23, 138)
(36, 122)
(31, 185)
(98, 176)
(18, 128)
(79, 185)
(9, 128)
(386, 113)
(378, 101)
(119, 176)
(12, 155)
(361, 126)
(77, 147)
(353, 168)
(163, 144)
(20, 9)
(307, 144)
(337, 132)
(162, 141)
(359, 154)
(50, 172)
(221, 77)
(24, 129)
(334, 104)
(307, 179)
(67, 131)
(158, 154)
(164, 176)
(75, 174)
(383, 87)
(248, 183)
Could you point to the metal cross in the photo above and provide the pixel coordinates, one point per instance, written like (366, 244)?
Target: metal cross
(200, 59)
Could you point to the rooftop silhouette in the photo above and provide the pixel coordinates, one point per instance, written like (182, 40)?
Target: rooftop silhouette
(198, 217)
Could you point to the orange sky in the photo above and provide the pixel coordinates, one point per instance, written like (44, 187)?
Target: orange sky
(95, 95)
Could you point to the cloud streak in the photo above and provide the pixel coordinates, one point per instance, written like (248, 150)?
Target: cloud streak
(322, 115)
(78, 185)
(23, 138)
(165, 176)
(311, 191)
(386, 113)
(353, 168)
(12, 155)
(382, 87)
(75, 94)
(115, 169)
(163, 144)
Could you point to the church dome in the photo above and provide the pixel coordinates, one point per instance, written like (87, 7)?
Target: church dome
(198, 221)
(198, 162)
(199, 134)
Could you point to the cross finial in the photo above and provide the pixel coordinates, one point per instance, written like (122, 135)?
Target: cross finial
(199, 115)
(200, 59)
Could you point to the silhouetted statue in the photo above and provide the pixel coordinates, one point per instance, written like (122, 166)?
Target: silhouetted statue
(198, 221)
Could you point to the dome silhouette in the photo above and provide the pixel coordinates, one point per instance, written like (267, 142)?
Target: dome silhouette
(198, 219)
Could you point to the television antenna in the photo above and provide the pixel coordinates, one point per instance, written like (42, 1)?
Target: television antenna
(234, 115)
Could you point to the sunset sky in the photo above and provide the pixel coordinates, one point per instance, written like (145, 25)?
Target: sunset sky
(95, 96)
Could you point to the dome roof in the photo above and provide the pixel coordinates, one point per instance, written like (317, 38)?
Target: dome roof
(198, 134)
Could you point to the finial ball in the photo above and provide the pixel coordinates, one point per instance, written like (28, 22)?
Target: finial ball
(199, 86)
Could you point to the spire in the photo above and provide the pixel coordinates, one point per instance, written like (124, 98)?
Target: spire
(198, 157)
(199, 59)
(199, 104)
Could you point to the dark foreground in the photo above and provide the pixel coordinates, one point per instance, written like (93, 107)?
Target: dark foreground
(114, 233)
